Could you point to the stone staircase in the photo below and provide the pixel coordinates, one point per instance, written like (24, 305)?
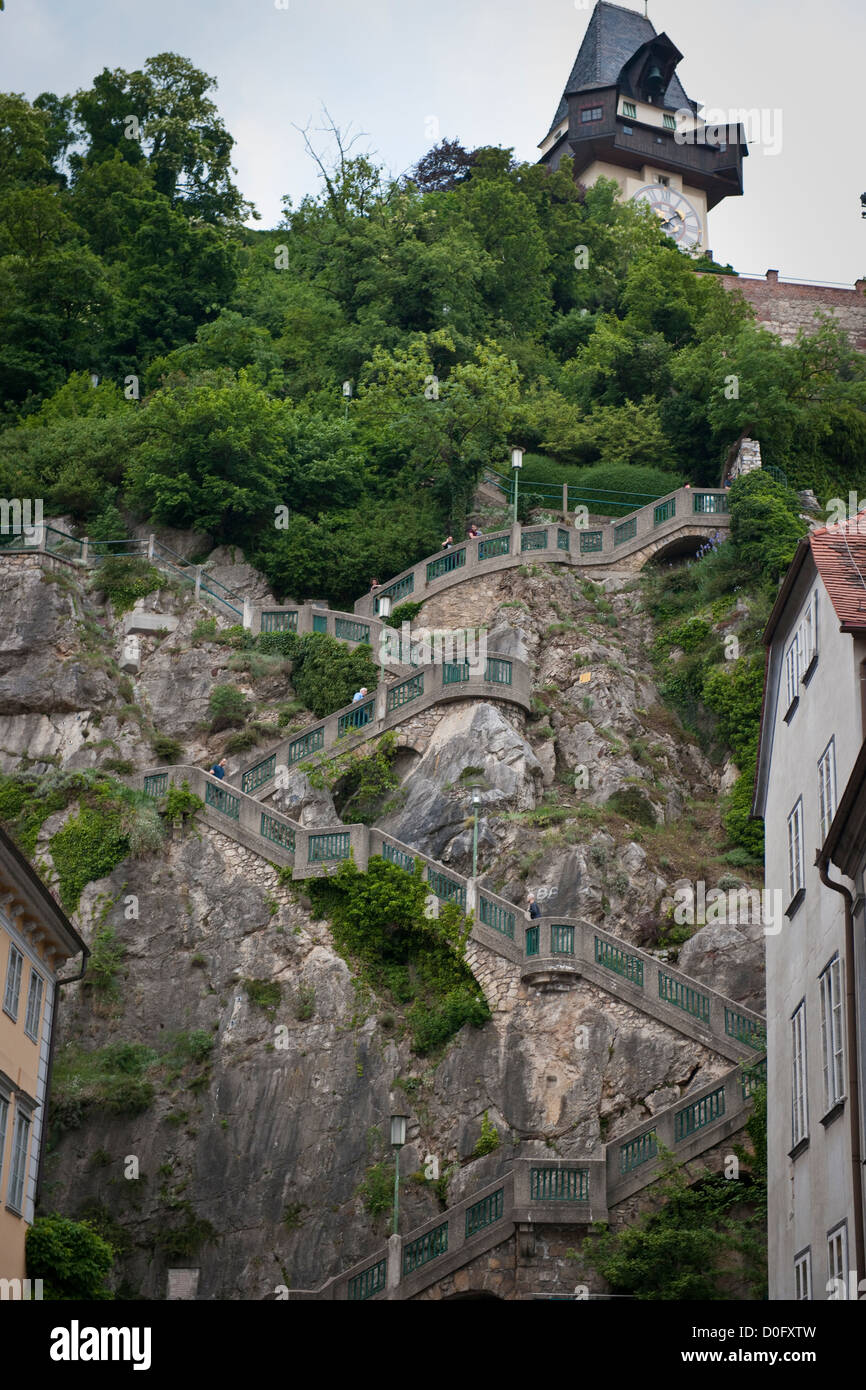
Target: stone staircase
(538, 1192)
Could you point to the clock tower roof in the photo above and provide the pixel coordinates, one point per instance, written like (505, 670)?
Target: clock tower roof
(613, 38)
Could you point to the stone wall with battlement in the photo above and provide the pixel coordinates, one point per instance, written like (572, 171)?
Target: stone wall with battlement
(785, 308)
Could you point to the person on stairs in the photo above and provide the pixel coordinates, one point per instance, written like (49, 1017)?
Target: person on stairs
(219, 769)
(534, 909)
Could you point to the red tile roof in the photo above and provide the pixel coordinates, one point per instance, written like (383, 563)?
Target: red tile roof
(839, 552)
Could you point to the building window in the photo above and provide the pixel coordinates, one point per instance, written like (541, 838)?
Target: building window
(803, 1276)
(832, 1045)
(34, 1006)
(591, 113)
(15, 1196)
(837, 1262)
(795, 850)
(799, 1101)
(792, 673)
(4, 1117)
(663, 180)
(827, 787)
(13, 981)
(669, 122)
(807, 635)
(629, 109)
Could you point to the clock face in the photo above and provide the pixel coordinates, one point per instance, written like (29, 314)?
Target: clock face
(678, 218)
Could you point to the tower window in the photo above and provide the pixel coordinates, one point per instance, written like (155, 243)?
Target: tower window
(663, 179)
(669, 122)
(629, 109)
(591, 113)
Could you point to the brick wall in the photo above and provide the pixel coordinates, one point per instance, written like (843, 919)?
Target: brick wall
(786, 308)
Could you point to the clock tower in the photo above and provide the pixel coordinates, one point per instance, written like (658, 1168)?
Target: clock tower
(624, 115)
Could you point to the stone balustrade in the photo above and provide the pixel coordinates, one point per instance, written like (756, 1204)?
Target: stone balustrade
(392, 702)
(687, 512)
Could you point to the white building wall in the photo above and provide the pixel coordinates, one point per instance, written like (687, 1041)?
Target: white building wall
(810, 1193)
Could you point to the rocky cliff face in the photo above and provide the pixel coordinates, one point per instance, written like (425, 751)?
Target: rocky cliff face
(273, 1065)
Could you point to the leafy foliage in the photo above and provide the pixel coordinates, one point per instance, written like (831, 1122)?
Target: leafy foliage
(180, 803)
(124, 579)
(73, 1261)
(449, 298)
(325, 673)
(702, 1242)
(378, 919)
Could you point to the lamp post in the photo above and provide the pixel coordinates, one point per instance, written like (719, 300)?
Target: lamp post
(476, 802)
(516, 463)
(398, 1139)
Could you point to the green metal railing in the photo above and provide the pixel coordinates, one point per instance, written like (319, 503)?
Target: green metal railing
(606, 501)
(156, 785)
(455, 672)
(562, 941)
(625, 531)
(746, 1030)
(559, 1184)
(533, 540)
(399, 589)
(699, 1114)
(357, 717)
(563, 539)
(221, 799)
(498, 671)
(320, 622)
(485, 1212)
(445, 888)
(426, 1248)
(398, 857)
(280, 622)
(327, 847)
(710, 502)
(494, 545)
(454, 560)
(256, 776)
(533, 944)
(637, 1151)
(752, 1077)
(619, 961)
(492, 915)
(368, 1282)
(405, 692)
(349, 631)
(305, 745)
(591, 541)
(684, 997)
(277, 832)
(664, 511)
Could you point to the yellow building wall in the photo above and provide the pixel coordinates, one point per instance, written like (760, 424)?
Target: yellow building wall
(19, 1059)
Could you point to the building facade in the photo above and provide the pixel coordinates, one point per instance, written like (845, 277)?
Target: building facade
(812, 734)
(35, 941)
(625, 115)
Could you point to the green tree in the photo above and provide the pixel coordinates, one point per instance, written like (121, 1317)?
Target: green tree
(72, 1260)
(211, 457)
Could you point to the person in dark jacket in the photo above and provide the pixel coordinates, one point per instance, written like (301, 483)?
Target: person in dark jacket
(534, 909)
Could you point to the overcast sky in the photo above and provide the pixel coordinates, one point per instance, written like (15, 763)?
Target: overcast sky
(407, 72)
